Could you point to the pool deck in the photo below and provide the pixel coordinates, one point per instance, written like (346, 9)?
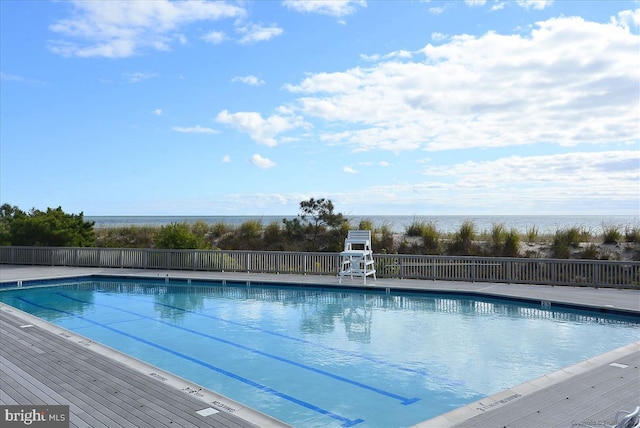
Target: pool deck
(106, 388)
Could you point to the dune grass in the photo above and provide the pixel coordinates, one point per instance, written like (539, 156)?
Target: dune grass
(420, 237)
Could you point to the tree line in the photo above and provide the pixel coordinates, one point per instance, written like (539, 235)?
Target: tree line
(316, 228)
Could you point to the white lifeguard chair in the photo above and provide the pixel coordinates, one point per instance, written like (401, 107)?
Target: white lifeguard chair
(357, 257)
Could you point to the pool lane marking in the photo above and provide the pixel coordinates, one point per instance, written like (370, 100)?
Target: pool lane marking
(421, 372)
(403, 400)
(346, 422)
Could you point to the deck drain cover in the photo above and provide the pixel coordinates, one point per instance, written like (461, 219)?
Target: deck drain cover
(207, 412)
(622, 366)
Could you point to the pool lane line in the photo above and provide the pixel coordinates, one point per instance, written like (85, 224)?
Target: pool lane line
(346, 422)
(403, 400)
(425, 373)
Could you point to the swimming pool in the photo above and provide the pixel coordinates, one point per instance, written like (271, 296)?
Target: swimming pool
(327, 357)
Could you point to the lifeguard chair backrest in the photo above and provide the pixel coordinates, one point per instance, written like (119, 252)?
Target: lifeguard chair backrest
(359, 238)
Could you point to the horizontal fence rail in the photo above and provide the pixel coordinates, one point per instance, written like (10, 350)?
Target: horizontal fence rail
(595, 273)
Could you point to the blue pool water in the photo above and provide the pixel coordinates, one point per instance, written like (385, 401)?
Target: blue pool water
(323, 358)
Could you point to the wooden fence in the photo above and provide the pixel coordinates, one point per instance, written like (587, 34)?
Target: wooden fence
(596, 273)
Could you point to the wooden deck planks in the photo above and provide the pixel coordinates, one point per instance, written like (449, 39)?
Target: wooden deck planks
(100, 391)
(595, 395)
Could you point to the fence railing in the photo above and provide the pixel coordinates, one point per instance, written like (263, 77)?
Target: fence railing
(597, 273)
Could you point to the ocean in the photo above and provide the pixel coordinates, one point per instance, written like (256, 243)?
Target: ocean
(545, 224)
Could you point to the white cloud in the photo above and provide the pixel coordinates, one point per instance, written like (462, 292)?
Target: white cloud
(603, 170)
(439, 37)
(535, 4)
(261, 162)
(563, 181)
(258, 33)
(349, 170)
(226, 159)
(195, 130)
(627, 19)
(215, 37)
(20, 79)
(401, 54)
(119, 28)
(475, 2)
(559, 184)
(263, 131)
(157, 112)
(337, 8)
(249, 80)
(138, 76)
(567, 82)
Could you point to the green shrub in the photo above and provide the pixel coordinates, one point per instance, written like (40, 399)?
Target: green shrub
(564, 240)
(498, 237)
(50, 228)
(218, 230)
(127, 237)
(272, 237)
(200, 229)
(177, 236)
(467, 231)
(383, 241)
(416, 228)
(632, 234)
(249, 235)
(573, 236)
(590, 252)
(532, 234)
(365, 224)
(462, 244)
(611, 234)
(431, 238)
(511, 246)
(504, 243)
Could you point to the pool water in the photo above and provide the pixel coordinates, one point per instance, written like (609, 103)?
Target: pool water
(329, 357)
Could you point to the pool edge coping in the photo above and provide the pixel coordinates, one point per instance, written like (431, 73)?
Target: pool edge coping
(465, 413)
(207, 396)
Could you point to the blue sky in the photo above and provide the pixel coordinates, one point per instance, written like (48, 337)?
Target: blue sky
(385, 107)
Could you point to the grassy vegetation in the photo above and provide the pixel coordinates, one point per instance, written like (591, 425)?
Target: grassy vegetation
(463, 241)
(632, 234)
(611, 234)
(319, 228)
(421, 237)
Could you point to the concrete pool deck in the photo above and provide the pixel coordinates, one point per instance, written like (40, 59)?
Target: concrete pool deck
(589, 392)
